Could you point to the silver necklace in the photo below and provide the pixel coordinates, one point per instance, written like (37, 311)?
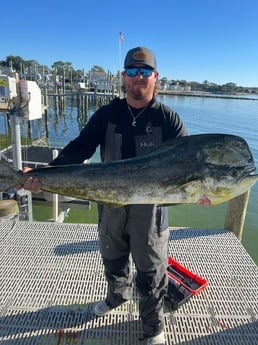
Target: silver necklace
(135, 117)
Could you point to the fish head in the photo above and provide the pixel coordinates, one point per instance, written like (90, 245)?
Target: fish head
(228, 169)
(229, 151)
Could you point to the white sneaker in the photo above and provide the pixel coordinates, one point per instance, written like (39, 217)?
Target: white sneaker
(157, 340)
(101, 308)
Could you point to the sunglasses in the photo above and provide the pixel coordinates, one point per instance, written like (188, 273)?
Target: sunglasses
(133, 71)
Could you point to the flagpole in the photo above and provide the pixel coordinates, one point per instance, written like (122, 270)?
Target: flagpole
(121, 40)
(120, 64)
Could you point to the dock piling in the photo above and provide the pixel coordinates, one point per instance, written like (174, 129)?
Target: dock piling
(236, 212)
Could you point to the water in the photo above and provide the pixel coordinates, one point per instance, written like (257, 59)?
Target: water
(201, 115)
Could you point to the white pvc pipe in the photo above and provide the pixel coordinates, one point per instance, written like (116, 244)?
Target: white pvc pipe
(55, 196)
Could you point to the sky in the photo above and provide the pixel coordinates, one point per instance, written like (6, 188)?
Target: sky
(193, 40)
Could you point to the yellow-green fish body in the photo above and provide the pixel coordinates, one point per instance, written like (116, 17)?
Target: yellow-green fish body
(182, 170)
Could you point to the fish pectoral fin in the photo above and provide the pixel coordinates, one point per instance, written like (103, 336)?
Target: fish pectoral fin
(185, 191)
(190, 185)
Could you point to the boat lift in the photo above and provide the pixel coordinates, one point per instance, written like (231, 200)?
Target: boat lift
(22, 100)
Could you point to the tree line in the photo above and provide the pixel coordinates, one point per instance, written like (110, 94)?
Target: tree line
(207, 86)
(24, 67)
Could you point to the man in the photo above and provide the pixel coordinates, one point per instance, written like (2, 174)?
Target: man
(126, 128)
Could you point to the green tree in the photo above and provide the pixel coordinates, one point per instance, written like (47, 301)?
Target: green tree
(13, 61)
(163, 81)
(97, 69)
(60, 66)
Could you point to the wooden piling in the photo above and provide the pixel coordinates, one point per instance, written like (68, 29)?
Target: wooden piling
(236, 212)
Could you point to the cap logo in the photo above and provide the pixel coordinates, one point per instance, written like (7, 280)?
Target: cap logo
(141, 56)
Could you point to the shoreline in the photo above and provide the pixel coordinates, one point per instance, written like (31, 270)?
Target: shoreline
(206, 94)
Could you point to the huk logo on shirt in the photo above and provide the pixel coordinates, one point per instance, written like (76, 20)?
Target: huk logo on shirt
(146, 143)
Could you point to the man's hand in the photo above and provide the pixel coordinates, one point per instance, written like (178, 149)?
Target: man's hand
(32, 184)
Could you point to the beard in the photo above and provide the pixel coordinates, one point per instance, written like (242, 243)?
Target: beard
(139, 91)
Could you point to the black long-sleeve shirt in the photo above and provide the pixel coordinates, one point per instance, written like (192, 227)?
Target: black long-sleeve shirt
(111, 128)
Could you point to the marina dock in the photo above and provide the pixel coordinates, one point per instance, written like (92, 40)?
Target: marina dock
(52, 275)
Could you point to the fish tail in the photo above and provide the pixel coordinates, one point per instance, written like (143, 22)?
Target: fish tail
(8, 176)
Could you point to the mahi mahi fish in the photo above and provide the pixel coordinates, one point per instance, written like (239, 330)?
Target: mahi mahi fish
(181, 170)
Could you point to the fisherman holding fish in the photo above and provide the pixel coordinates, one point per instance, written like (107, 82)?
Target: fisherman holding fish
(126, 128)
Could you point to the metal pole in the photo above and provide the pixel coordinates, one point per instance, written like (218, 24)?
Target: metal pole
(120, 64)
(16, 129)
(16, 142)
(55, 196)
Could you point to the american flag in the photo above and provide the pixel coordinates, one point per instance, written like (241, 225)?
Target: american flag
(121, 37)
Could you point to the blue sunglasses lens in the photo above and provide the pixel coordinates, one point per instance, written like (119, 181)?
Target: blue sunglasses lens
(132, 71)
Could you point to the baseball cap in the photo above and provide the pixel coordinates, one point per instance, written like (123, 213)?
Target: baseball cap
(140, 55)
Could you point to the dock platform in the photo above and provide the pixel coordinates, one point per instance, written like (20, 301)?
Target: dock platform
(51, 275)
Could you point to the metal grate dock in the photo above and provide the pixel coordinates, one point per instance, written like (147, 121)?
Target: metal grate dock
(51, 275)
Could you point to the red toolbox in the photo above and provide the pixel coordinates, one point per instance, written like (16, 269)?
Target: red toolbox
(182, 284)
